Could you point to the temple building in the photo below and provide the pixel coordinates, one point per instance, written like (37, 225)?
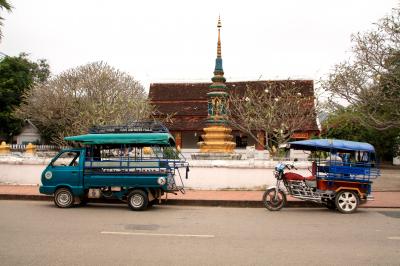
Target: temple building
(187, 103)
(197, 108)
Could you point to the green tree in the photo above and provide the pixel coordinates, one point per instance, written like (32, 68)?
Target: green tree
(370, 80)
(17, 75)
(344, 124)
(4, 4)
(80, 98)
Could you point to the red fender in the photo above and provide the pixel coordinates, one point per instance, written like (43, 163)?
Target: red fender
(294, 176)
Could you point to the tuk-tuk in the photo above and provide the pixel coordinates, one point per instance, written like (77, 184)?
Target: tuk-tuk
(340, 177)
(136, 163)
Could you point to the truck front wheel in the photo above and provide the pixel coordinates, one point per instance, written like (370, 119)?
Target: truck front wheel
(137, 200)
(63, 198)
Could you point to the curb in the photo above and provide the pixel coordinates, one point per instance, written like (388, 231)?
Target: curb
(237, 203)
(188, 202)
(25, 197)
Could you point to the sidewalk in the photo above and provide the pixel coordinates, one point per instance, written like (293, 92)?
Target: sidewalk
(222, 198)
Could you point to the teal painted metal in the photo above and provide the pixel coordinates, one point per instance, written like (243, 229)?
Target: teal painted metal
(80, 170)
(69, 176)
(143, 139)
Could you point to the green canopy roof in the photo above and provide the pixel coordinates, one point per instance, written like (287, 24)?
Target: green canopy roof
(140, 139)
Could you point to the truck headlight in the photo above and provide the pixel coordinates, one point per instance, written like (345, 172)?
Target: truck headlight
(161, 181)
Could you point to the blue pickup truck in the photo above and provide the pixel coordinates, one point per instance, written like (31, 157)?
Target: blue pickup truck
(137, 163)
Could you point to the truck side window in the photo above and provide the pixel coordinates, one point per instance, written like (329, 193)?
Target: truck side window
(70, 158)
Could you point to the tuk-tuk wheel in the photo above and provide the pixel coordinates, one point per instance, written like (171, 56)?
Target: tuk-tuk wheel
(137, 200)
(347, 201)
(63, 198)
(272, 201)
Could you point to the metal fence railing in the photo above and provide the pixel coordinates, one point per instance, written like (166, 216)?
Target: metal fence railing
(22, 147)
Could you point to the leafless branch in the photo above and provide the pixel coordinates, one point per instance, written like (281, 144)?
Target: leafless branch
(87, 96)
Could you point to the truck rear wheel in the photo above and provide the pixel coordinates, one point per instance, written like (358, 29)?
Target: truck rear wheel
(137, 200)
(63, 198)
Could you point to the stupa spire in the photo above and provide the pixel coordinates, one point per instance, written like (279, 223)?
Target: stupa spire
(219, 25)
(218, 79)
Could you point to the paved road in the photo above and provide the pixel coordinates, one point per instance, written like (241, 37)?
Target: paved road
(37, 233)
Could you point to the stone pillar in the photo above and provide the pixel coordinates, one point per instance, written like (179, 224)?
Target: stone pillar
(30, 149)
(261, 139)
(4, 148)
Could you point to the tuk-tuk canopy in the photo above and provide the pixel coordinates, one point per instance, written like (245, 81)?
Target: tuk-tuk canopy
(139, 139)
(331, 145)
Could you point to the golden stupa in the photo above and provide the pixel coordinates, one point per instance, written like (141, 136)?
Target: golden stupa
(217, 140)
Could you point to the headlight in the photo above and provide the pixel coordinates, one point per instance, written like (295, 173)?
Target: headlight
(161, 181)
(48, 175)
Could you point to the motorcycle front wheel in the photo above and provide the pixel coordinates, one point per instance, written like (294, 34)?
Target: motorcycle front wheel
(273, 201)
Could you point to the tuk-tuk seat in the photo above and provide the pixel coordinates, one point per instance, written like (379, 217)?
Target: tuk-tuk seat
(294, 176)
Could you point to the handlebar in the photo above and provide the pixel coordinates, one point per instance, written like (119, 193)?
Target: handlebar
(280, 167)
(291, 166)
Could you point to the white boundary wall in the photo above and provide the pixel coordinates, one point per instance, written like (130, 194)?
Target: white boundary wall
(213, 175)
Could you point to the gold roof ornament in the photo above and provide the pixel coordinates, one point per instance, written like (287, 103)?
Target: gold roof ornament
(219, 25)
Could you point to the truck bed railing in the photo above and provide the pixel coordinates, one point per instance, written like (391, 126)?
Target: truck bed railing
(132, 166)
(133, 127)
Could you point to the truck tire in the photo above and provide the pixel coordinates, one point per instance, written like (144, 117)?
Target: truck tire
(137, 200)
(63, 198)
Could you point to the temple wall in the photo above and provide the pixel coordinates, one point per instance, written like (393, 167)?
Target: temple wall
(212, 175)
(189, 140)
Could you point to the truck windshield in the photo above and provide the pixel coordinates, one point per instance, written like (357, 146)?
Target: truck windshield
(68, 158)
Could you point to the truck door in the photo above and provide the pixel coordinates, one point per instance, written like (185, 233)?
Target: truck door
(66, 168)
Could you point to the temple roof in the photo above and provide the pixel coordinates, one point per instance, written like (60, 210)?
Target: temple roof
(197, 91)
(188, 101)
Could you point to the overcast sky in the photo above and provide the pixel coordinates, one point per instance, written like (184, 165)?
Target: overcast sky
(166, 41)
